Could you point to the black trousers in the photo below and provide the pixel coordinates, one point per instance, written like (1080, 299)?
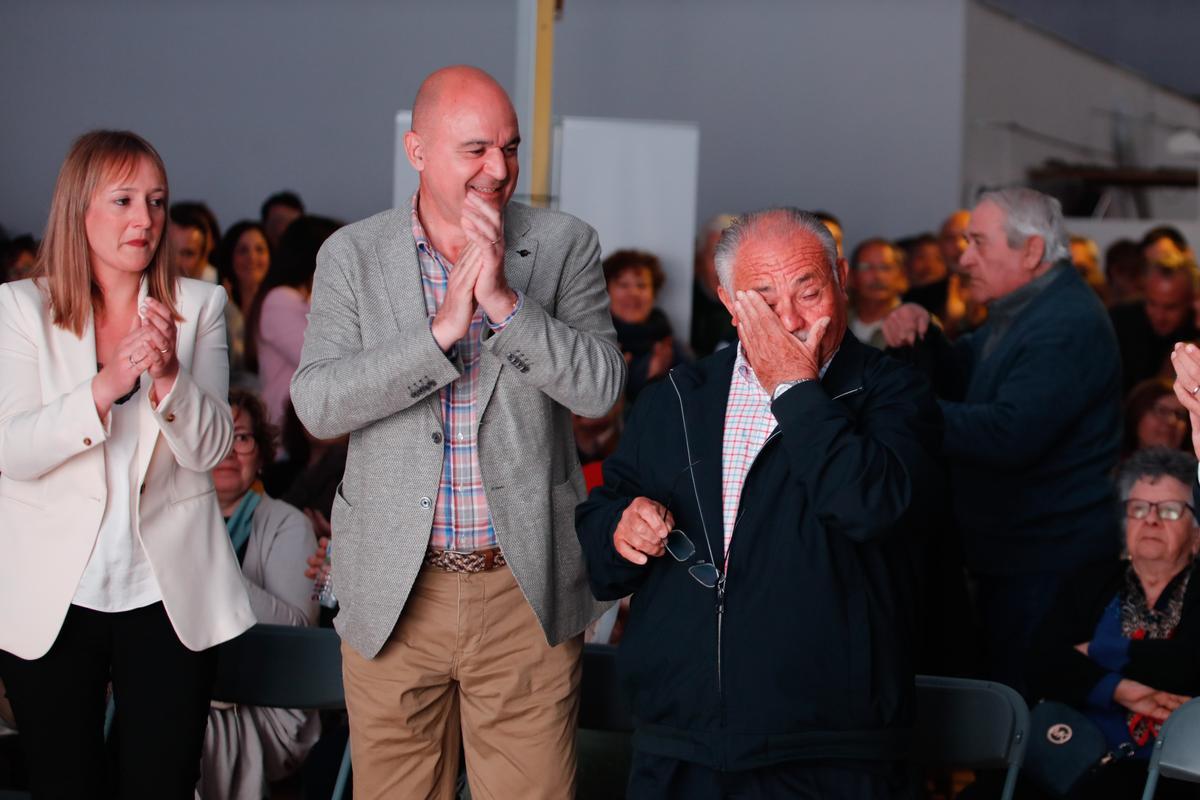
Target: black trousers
(161, 691)
(657, 778)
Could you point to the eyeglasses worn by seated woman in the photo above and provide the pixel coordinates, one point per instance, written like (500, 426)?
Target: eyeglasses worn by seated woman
(1167, 510)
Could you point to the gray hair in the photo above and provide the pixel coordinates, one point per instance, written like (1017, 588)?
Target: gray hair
(772, 222)
(1151, 464)
(1030, 213)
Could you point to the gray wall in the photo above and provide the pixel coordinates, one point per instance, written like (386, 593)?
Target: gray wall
(1065, 93)
(854, 105)
(241, 98)
(1154, 37)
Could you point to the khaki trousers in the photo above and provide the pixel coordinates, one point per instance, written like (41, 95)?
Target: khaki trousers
(467, 662)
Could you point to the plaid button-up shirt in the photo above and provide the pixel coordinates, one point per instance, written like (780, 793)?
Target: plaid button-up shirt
(748, 425)
(461, 520)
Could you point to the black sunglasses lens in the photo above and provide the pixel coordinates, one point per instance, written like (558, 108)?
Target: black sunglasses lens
(706, 574)
(679, 545)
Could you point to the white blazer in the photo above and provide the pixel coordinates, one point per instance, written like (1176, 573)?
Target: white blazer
(52, 475)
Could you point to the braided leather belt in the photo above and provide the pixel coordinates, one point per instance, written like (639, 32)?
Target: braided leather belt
(479, 561)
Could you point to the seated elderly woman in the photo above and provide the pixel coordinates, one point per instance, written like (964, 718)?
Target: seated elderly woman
(1122, 642)
(633, 278)
(244, 746)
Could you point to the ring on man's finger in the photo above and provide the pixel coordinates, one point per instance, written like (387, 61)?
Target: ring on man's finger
(1194, 390)
(164, 350)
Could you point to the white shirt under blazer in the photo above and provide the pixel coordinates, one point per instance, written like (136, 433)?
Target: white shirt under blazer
(53, 487)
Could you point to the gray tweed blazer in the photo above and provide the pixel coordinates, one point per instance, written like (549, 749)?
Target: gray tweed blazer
(371, 368)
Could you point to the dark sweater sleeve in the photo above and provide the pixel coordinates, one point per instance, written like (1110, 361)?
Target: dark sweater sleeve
(1052, 382)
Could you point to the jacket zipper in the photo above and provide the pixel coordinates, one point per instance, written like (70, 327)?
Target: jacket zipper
(722, 581)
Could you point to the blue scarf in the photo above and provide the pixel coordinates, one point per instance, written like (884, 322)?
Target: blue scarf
(239, 523)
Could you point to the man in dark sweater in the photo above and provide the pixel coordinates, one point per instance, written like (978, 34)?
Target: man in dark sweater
(1032, 401)
(760, 508)
(1148, 328)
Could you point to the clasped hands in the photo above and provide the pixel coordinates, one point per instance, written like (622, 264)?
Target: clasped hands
(477, 279)
(148, 347)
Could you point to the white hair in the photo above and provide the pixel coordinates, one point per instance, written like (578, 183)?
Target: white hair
(772, 222)
(1031, 213)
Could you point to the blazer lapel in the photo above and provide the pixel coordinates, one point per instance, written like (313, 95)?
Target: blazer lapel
(397, 254)
(148, 430)
(520, 254)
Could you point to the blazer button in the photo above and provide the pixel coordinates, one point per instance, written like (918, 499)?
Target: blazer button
(426, 502)
(87, 441)
(170, 417)
(437, 438)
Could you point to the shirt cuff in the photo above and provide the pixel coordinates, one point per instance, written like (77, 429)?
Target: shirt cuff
(499, 326)
(1101, 695)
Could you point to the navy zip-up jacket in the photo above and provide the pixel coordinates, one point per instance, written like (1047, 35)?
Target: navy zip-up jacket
(811, 654)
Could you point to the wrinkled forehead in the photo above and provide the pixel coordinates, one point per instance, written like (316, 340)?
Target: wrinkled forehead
(774, 258)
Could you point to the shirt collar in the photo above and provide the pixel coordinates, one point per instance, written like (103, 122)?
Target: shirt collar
(418, 230)
(742, 371)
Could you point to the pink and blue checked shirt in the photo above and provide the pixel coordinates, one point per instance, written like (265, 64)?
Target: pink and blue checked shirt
(461, 521)
(748, 424)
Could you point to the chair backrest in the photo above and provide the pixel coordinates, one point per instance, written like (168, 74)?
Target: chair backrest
(1177, 751)
(970, 723)
(601, 705)
(279, 666)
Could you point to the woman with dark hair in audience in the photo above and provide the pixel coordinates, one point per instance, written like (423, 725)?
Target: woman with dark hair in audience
(279, 313)
(112, 412)
(644, 333)
(1154, 417)
(245, 746)
(1122, 642)
(242, 259)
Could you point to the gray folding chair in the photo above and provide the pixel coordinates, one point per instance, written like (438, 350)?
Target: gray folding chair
(1177, 749)
(971, 723)
(279, 666)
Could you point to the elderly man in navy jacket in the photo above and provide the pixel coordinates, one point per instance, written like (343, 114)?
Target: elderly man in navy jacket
(1032, 401)
(760, 509)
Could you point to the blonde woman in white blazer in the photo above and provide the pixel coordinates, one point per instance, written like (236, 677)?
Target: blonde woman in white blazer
(113, 381)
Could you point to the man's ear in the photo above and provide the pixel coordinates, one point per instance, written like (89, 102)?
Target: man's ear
(1034, 252)
(843, 273)
(414, 148)
(727, 301)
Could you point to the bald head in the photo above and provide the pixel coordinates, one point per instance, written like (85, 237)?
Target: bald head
(463, 143)
(452, 85)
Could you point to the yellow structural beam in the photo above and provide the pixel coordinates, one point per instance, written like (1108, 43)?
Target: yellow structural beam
(543, 88)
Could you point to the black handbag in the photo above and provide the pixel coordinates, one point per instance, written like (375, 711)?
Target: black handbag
(1066, 749)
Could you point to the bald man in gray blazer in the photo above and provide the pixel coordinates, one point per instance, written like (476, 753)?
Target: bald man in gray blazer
(452, 339)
